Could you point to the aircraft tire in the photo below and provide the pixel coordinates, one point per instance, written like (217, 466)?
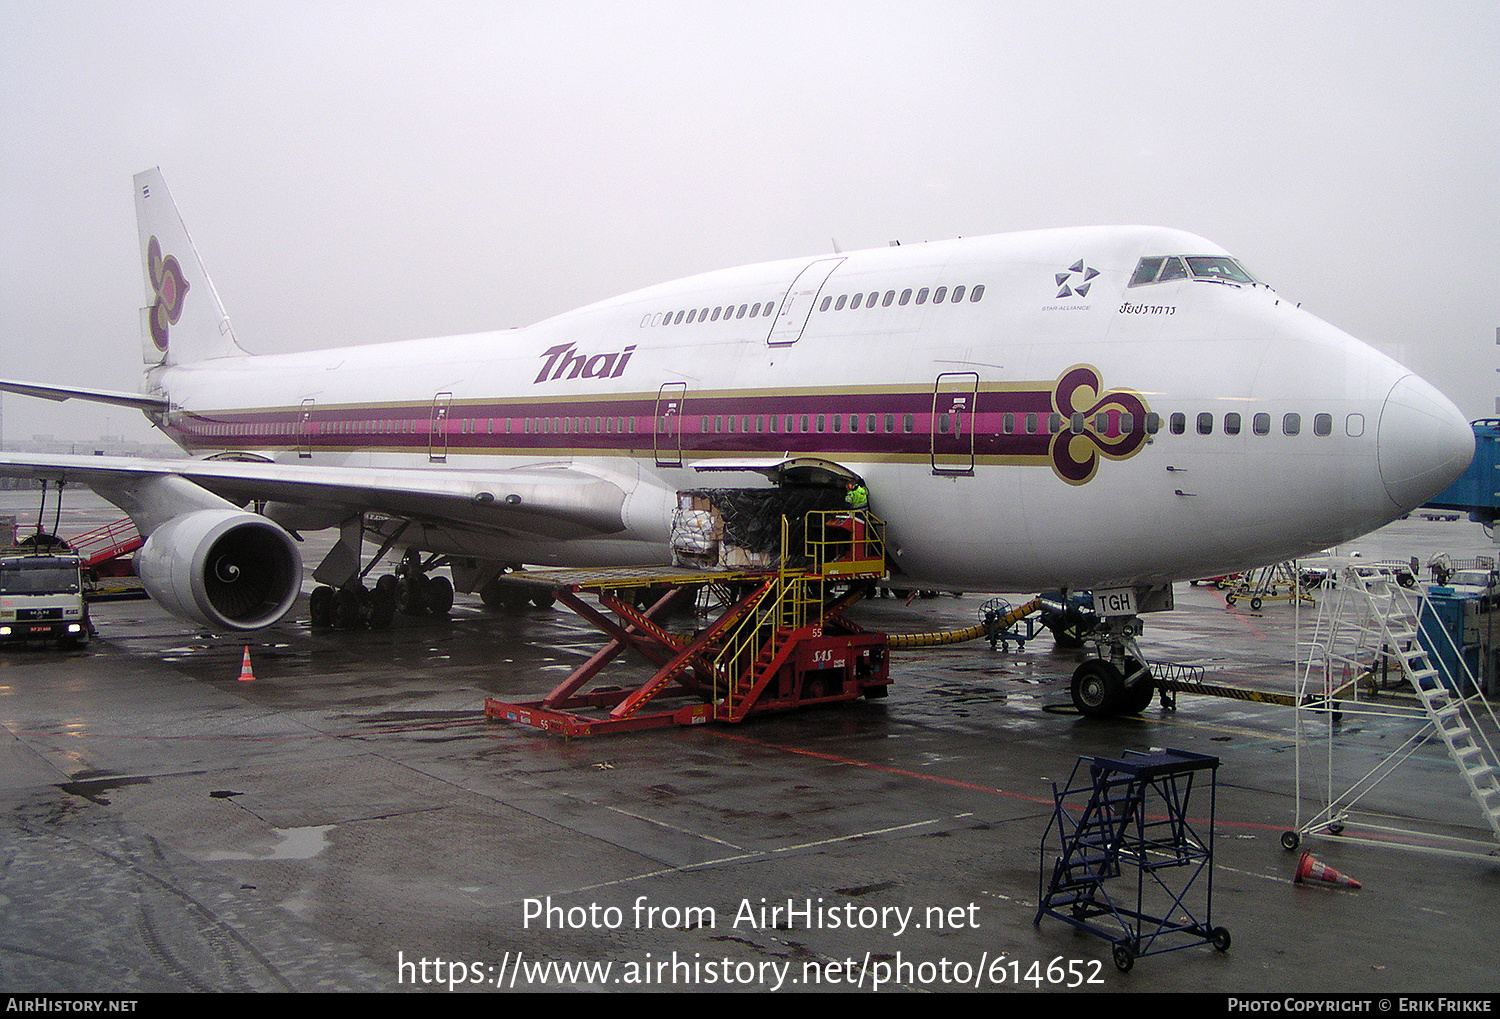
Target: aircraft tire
(1137, 698)
(439, 595)
(382, 607)
(1098, 689)
(320, 607)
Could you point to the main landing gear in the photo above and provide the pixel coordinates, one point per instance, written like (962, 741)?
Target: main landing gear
(503, 595)
(410, 590)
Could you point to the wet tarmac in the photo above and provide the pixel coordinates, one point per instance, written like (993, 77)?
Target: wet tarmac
(349, 821)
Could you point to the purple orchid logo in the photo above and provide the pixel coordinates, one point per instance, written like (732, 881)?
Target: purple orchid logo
(1075, 454)
(171, 289)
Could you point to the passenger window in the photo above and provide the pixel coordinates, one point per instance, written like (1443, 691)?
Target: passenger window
(1054, 424)
(1030, 424)
(908, 423)
(890, 295)
(1231, 424)
(1354, 425)
(804, 422)
(840, 306)
(942, 424)
(922, 296)
(1008, 423)
(715, 316)
(976, 293)
(1261, 424)
(905, 297)
(855, 301)
(1322, 424)
(939, 294)
(1101, 423)
(1177, 423)
(1077, 423)
(1291, 424)
(958, 294)
(869, 422)
(1153, 423)
(826, 302)
(853, 423)
(1205, 424)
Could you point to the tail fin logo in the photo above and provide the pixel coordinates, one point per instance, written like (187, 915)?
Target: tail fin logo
(171, 289)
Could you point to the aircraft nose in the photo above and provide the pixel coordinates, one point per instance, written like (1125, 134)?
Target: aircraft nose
(1424, 442)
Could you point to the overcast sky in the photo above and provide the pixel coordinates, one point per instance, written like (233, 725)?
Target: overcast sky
(368, 171)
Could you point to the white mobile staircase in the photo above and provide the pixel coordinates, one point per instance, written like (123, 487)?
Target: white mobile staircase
(1365, 657)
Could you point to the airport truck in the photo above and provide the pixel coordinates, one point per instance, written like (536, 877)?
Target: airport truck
(41, 597)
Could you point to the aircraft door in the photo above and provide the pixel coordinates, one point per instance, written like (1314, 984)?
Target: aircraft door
(954, 402)
(437, 432)
(305, 429)
(668, 428)
(797, 305)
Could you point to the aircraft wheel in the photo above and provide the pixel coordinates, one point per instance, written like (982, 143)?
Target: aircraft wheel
(346, 608)
(493, 595)
(1137, 698)
(543, 599)
(320, 607)
(1097, 689)
(409, 591)
(514, 599)
(439, 595)
(382, 607)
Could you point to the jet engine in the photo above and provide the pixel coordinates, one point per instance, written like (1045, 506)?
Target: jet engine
(222, 568)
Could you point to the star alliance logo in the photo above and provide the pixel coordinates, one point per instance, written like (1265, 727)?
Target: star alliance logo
(1068, 286)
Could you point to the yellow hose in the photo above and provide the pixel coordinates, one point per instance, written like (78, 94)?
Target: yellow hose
(900, 641)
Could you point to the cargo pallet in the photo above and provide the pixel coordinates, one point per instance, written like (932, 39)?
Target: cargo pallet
(1135, 820)
(784, 642)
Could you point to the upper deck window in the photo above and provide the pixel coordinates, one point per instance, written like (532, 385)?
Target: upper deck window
(1164, 268)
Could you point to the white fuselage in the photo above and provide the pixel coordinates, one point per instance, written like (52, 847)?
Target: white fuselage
(1020, 441)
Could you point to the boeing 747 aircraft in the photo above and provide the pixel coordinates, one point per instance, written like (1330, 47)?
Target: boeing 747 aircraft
(1111, 408)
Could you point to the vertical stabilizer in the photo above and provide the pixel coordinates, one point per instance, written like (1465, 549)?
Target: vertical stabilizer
(183, 320)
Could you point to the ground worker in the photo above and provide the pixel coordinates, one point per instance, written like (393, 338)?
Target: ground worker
(858, 497)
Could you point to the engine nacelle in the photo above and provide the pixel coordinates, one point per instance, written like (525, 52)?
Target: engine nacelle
(221, 568)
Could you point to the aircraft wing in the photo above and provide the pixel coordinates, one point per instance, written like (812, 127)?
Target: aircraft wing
(559, 503)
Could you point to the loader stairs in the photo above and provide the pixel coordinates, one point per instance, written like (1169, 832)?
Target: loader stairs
(782, 640)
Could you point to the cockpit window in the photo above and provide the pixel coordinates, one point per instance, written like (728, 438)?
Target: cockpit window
(1146, 270)
(1164, 268)
(1215, 267)
(1172, 270)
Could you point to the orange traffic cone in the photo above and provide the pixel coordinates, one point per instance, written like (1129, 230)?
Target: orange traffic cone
(246, 675)
(1309, 869)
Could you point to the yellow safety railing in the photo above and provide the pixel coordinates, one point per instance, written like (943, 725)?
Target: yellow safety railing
(836, 544)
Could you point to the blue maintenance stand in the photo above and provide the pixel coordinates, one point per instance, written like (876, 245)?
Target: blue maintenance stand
(1126, 860)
